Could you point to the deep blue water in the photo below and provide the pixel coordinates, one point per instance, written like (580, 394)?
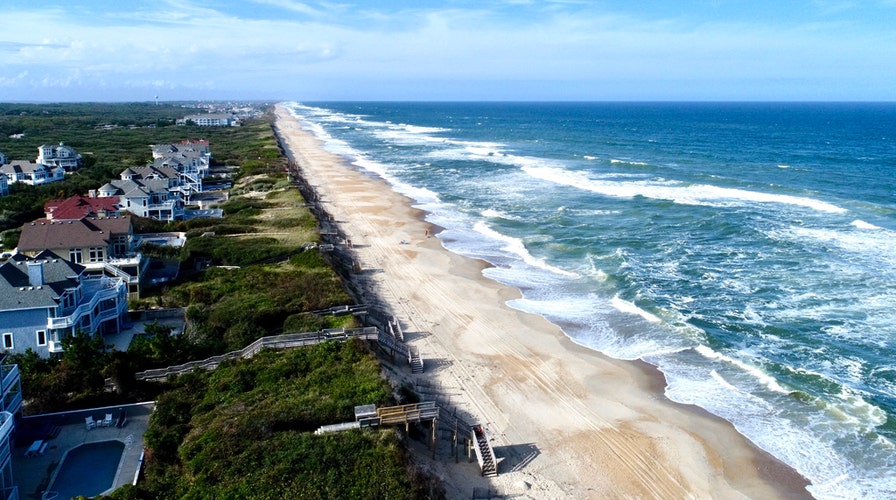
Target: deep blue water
(88, 470)
(747, 250)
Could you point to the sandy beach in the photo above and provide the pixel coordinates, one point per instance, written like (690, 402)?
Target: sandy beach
(567, 422)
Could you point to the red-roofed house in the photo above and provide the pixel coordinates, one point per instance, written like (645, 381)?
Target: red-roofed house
(77, 207)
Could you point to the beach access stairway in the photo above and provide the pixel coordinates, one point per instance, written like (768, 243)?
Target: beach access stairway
(392, 340)
(426, 411)
(284, 341)
(485, 455)
(371, 416)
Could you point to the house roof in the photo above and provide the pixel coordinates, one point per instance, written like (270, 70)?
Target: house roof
(20, 166)
(66, 234)
(79, 206)
(152, 171)
(17, 292)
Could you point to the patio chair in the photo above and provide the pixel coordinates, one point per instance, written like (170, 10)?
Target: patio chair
(108, 420)
(90, 423)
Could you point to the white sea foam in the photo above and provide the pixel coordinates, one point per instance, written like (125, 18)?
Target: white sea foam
(629, 162)
(679, 192)
(518, 248)
(864, 225)
(766, 379)
(630, 308)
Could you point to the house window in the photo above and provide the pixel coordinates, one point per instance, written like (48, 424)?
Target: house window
(7, 341)
(97, 254)
(41, 337)
(74, 255)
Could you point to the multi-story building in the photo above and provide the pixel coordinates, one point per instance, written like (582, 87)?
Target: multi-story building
(28, 172)
(58, 156)
(210, 120)
(191, 159)
(45, 298)
(100, 244)
(77, 207)
(147, 192)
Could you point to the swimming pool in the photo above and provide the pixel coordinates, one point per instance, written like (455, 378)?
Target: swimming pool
(88, 469)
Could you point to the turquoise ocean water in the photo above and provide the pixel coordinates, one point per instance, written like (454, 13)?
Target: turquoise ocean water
(747, 250)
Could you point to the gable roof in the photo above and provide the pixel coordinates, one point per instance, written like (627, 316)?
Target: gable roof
(20, 166)
(66, 234)
(78, 206)
(16, 291)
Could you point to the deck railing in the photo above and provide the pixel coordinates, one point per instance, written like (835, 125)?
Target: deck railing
(284, 341)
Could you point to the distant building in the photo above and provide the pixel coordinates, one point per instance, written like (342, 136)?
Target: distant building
(210, 120)
(4, 186)
(28, 172)
(55, 156)
(2, 159)
(45, 298)
(191, 160)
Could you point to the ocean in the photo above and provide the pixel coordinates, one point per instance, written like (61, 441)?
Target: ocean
(748, 250)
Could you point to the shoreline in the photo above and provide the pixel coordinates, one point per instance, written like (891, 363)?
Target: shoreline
(567, 420)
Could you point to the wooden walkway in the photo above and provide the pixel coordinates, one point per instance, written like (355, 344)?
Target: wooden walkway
(426, 411)
(284, 341)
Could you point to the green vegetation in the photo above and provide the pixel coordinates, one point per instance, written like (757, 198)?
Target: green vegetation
(107, 151)
(245, 430)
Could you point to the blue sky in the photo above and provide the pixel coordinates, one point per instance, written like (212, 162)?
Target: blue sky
(112, 50)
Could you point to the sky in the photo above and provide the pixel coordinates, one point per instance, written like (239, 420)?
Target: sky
(448, 50)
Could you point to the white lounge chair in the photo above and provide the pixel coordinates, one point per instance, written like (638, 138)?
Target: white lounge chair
(90, 423)
(107, 421)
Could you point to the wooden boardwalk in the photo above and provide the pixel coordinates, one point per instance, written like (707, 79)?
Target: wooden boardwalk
(284, 341)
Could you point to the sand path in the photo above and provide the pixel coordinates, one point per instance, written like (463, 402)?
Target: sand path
(567, 422)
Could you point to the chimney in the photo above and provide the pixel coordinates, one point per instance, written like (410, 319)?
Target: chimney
(36, 273)
(91, 193)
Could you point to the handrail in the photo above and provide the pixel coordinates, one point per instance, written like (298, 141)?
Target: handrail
(283, 341)
(10, 372)
(78, 312)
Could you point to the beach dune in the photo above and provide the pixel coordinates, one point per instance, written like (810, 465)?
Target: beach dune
(567, 422)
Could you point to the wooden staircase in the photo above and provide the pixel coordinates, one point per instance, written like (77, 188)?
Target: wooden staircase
(484, 453)
(415, 360)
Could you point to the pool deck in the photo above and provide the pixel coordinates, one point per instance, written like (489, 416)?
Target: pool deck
(33, 474)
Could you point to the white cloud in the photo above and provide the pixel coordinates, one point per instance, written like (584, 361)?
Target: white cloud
(182, 45)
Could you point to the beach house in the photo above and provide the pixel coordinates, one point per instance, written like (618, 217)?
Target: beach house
(45, 298)
(191, 160)
(152, 192)
(28, 172)
(77, 206)
(103, 245)
(58, 156)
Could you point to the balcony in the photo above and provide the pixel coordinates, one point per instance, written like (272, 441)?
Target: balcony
(10, 376)
(7, 422)
(103, 288)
